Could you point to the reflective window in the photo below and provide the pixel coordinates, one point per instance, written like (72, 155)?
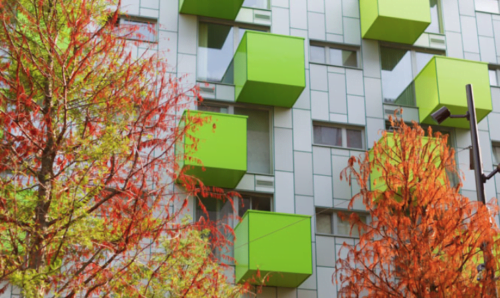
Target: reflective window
(264, 4)
(330, 222)
(215, 51)
(326, 135)
(354, 138)
(317, 54)
(259, 139)
(396, 72)
(139, 30)
(343, 57)
(249, 202)
(493, 77)
(435, 26)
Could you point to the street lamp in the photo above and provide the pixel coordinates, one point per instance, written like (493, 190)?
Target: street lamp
(443, 114)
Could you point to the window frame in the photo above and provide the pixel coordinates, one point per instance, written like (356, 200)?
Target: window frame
(230, 110)
(343, 47)
(236, 41)
(254, 194)
(141, 19)
(334, 219)
(343, 129)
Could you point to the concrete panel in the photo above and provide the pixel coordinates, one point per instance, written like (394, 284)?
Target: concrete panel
(187, 66)
(316, 6)
(334, 17)
(341, 188)
(356, 109)
(280, 21)
(494, 121)
(247, 183)
(282, 117)
(354, 80)
(284, 196)
(167, 48)
(325, 252)
(316, 22)
(322, 161)
(302, 128)
(454, 45)
(323, 191)
(187, 34)
(318, 78)
(374, 127)
(337, 94)
(303, 173)
(466, 7)
(484, 24)
(283, 149)
(487, 47)
(350, 8)
(352, 31)
(298, 14)
(319, 105)
(371, 58)
(304, 101)
(469, 33)
(451, 16)
(495, 98)
(326, 289)
(373, 98)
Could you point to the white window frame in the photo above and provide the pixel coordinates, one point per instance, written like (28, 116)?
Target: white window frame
(327, 48)
(334, 219)
(230, 110)
(344, 129)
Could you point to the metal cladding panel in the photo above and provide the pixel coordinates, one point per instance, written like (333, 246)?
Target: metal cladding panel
(442, 83)
(219, 158)
(222, 9)
(269, 69)
(278, 244)
(401, 21)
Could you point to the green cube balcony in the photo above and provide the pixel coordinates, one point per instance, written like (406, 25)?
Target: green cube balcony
(401, 21)
(269, 69)
(442, 83)
(220, 158)
(275, 243)
(221, 9)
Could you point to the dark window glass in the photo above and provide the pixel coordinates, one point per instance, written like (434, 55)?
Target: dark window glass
(343, 58)
(327, 135)
(354, 139)
(254, 203)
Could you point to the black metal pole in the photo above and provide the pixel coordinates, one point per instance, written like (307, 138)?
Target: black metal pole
(479, 177)
(476, 152)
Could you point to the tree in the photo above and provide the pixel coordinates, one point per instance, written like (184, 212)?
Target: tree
(425, 238)
(87, 161)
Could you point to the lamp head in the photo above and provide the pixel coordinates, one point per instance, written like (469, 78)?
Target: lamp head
(441, 115)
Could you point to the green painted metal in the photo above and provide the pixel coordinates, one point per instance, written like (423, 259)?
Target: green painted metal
(401, 21)
(275, 243)
(442, 83)
(221, 156)
(269, 69)
(221, 9)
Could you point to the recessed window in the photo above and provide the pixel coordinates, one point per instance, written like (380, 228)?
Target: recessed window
(338, 136)
(254, 202)
(141, 30)
(493, 77)
(488, 6)
(263, 4)
(496, 153)
(330, 222)
(333, 56)
(435, 26)
(258, 134)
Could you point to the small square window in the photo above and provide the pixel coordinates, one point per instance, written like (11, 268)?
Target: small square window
(326, 135)
(329, 222)
(317, 54)
(139, 30)
(343, 57)
(354, 138)
(324, 223)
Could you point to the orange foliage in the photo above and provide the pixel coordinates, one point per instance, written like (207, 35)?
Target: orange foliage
(424, 238)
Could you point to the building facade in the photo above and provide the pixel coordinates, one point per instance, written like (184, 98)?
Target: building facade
(314, 82)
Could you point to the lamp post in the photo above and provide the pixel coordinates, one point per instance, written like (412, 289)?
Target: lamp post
(441, 115)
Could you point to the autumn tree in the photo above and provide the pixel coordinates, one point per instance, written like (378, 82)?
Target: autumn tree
(87, 161)
(424, 238)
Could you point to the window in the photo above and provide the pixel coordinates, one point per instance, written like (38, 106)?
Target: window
(254, 202)
(333, 56)
(329, 222)
(399, 68)
(435, 26)
(349, 137)
(258, 134)
(216, 46)
(264, 4)
(493, 77)
(496, 153)
(143, 30)
(488, 6)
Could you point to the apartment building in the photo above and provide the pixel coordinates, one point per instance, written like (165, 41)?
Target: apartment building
(299, 86)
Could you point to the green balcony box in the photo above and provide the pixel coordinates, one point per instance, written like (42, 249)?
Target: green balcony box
(221, 156)
(401, 21)
(275, 243)
(442, 83)
(221, 9)
(269, 69)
